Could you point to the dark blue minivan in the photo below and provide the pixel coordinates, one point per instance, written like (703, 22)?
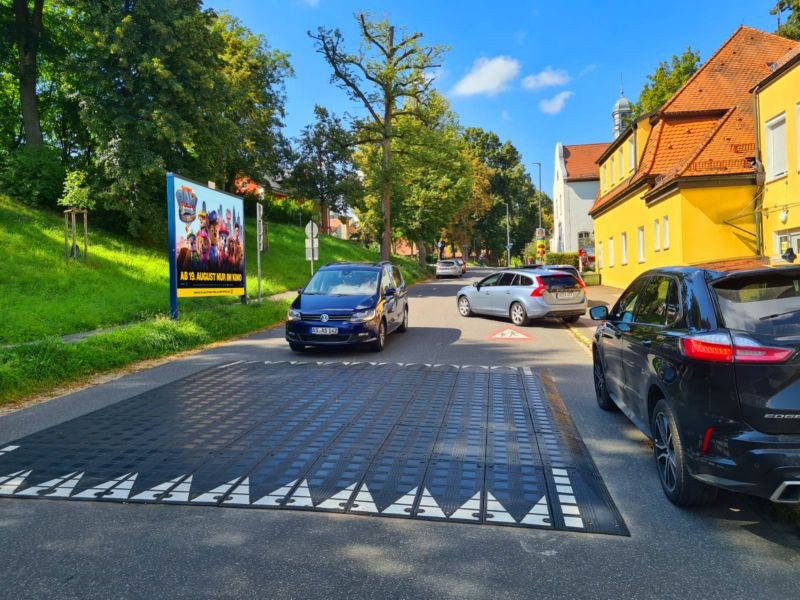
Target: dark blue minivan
(349, 303)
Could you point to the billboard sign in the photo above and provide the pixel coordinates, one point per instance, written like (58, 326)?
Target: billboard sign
(206, 241)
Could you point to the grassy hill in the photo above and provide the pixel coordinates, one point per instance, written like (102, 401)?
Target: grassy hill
(44, 297)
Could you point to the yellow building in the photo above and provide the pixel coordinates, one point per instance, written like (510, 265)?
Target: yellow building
(778, 115)
(678, 186)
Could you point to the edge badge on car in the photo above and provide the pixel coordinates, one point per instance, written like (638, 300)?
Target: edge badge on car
(324, 318)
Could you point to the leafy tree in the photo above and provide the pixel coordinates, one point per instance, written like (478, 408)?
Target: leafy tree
(791, 27)
(248, 138)
(433, 173)
(509, 182)
(667, 79)
(27, 31)
(325, 170)
(390, 77)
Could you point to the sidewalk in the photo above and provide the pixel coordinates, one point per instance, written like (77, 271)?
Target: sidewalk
(603, 294)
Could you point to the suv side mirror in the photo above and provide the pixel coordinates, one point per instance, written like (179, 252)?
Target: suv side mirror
(300, 290)
(599, 313)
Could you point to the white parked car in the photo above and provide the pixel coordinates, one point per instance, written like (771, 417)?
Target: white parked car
(447, 268)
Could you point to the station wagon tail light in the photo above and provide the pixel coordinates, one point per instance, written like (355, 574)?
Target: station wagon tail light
(720, 347)
(580, 282)
(539, 290)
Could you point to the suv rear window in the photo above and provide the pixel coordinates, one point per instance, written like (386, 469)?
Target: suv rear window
(763, 303)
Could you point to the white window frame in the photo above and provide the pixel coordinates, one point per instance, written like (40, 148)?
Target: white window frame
(611, 169)
(631, 154)
(797, 137)
(640, 239)
(610, 252)
(656, 235)
(665, 237)
(623, 248)
(599, 256)
(621, 166)
(776, 147)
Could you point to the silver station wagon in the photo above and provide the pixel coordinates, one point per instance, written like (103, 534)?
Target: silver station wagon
(525, 294)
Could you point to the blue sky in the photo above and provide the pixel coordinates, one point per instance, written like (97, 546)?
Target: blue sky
(535, 73)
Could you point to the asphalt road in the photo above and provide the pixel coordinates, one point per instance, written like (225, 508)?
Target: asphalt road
(99, 550)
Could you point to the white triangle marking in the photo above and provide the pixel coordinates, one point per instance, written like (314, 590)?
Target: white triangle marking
(241, 495)
(403, 505)
(155, 492)
(275, 497)
(36, 490)
(496, 512)
(510, 334)
(469, 509)
(13, 481)
(364, 502)
(217, 493)
(94, 492)
(181, 491)
(428, 507)
(65, 489)
(538, 514)
(301, 496)
(8, 449)
(338, 501)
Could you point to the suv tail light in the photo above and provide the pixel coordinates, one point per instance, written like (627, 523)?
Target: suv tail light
(580, 282)
(721, 347)
(539, 290)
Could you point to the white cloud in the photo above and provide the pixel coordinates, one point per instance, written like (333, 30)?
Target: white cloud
(488, 76)
(554, 105)
(311, 3)
(505, 115)
(548, 78)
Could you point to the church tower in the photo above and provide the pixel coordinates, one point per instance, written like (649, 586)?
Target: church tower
(623, 110)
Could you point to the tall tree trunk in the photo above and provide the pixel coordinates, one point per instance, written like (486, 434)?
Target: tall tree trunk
(422, 255)
(386, 185)
(29, 29)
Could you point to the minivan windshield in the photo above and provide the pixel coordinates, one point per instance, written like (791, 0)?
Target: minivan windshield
(343, 282)
(762, 303)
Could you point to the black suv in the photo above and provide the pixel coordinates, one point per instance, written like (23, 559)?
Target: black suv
(348, 303)
(706, 362)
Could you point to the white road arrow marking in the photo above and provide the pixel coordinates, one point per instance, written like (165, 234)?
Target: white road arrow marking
(496, 512)
(99, 492)
(181, 491)
(301, 496)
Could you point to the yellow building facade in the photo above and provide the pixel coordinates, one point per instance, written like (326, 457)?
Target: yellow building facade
(779, 141)
(679, 186)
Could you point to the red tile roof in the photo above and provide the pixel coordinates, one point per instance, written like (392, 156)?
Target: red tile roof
(581, 159)
(707, 127)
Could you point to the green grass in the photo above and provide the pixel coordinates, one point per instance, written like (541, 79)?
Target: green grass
(44, 297)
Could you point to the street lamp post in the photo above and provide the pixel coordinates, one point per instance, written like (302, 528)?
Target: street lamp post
(538, 164)
(508, 237)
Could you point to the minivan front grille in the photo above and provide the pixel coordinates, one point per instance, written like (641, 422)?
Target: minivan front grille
(318, 317)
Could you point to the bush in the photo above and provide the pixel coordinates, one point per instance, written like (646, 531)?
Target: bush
(76, 192)
(33, 175)
(562, 258)
(290, 211)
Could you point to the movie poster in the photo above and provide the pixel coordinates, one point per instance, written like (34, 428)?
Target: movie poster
(206, 240)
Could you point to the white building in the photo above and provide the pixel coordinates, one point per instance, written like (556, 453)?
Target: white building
(575, 186)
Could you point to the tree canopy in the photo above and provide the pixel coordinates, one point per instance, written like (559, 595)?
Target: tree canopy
(789, 28)
(666, 80)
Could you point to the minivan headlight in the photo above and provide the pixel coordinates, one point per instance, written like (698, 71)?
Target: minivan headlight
(293, 315)
(362, 315)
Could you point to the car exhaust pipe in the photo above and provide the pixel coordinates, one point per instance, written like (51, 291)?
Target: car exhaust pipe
(787, 493)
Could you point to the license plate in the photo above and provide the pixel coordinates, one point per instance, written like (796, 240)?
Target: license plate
(324, 330)
(565, 295)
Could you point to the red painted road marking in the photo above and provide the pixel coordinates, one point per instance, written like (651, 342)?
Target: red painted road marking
(509, 333)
